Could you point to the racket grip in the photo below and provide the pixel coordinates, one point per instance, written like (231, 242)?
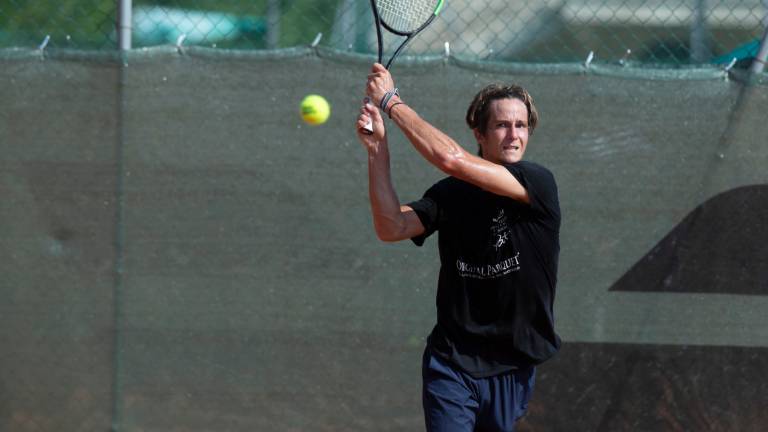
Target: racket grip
(368, 128)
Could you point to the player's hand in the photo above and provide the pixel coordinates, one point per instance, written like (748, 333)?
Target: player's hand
(369, 112)
(379, 82)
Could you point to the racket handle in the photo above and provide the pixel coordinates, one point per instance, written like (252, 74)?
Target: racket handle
(368, 128)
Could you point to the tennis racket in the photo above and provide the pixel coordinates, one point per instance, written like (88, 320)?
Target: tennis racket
(404, 18)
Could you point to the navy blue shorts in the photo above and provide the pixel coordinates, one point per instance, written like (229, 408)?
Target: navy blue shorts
(454, 401)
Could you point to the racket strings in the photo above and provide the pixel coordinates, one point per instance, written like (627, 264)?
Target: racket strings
(406, 15)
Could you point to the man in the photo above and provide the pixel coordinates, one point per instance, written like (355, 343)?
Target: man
(498, 219)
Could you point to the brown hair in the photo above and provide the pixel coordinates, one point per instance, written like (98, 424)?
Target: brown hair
(479, 110)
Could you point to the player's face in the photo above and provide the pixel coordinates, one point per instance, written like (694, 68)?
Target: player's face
(506, 137)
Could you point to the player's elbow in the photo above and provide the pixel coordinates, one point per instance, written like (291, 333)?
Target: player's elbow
(451, 163)
(388, 232)
(386, 235)
(387, 238)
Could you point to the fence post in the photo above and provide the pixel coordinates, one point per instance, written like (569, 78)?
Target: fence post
(700, 52)
(273, 24)
(758, 65)
(124, 25)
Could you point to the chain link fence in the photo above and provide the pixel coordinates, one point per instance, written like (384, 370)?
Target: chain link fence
(645, 31)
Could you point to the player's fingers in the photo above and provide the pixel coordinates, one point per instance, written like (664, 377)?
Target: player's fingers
(379, 70)
(371, 86)
(363, 117)
(370, 109)
(377, 78)
(377, 86)
(373, 112)
(362, 121)
(365, 110)
(375, 90)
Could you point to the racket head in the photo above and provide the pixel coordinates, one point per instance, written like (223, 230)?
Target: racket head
(406, 17)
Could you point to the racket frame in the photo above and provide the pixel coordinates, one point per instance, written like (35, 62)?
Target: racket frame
(368, 128)
(408, 35)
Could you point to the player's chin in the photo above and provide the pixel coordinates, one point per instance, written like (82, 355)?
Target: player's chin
(512, 156)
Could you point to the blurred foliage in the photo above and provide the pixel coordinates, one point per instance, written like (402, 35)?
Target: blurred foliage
(305, 19)
(69, 23)
(534, 32)
(91, 24)
(299, 20)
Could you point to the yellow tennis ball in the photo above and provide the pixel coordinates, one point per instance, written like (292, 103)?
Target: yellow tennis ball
(315, 109)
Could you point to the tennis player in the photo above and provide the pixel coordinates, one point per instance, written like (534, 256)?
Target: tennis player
(498, 223)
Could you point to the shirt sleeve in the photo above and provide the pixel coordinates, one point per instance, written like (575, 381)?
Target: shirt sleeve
(542, 191)
(428, 211)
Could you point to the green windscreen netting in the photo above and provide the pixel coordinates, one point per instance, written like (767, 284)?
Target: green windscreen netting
(179, 252)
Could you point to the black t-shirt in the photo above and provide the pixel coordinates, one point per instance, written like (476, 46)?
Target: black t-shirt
(498, 271)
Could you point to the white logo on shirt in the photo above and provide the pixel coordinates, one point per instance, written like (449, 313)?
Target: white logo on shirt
(500, 236)
(500, 230)
(489, 271)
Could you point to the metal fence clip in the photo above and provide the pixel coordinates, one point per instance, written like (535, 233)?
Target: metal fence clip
(317, 40)
(44, 43)
(180, 41)
(590, 57)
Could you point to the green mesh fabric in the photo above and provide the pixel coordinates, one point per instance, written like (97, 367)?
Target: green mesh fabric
(179, 251)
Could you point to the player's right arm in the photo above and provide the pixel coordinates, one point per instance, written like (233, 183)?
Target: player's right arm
(392, 221)
(441, 150)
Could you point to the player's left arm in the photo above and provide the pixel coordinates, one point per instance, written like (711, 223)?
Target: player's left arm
(440, 149)
(391, 220)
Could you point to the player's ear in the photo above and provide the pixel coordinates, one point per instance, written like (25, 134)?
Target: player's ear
(478, 136)
(480, 141)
